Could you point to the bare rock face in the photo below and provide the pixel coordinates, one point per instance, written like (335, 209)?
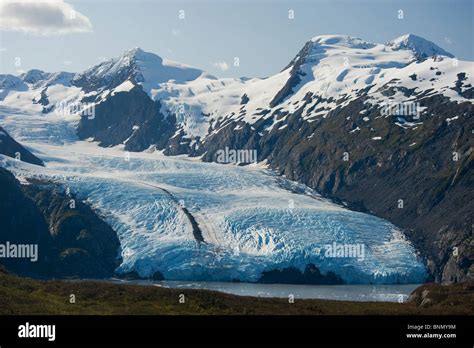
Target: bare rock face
(71, 242)
(425, 300)
(459, 268)
(11, 148)
(132, 119)
(432, 295)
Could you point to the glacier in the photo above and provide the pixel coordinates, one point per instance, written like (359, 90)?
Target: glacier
(251, 220)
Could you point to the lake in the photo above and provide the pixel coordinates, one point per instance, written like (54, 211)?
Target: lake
(385, 293)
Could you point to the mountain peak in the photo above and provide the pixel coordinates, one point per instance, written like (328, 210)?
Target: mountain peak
(422, 47)
(138, 67)
(134, 50)
(138, 54)
(341, 40)
(33, 76)
(39, 78)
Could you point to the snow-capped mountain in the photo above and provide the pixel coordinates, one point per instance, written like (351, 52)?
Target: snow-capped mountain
(374, 126)
(135, 66)
(9, 83)
(421, 47)
(332, 69)
(35, 79)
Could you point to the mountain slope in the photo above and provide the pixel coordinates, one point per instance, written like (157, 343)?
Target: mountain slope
(9, 147)
(383, 128)
(71, 242)
(391, 156)
(420, 46)
(130, 118)
(136, 66)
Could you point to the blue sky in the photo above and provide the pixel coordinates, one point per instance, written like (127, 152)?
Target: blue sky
(214, 32)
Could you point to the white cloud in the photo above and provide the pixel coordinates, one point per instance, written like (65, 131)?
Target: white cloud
(42, 17)
(223, 66)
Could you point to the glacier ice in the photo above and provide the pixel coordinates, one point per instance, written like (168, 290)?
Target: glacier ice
(251, 220)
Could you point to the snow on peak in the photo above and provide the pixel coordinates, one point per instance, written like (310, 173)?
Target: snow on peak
(33, 76)
(134, 51)
(342, 40)
(137, 54)
(8, 81)
(110, 73)
(38, 78)
(422, 47)
(137, 66)
(334, 69)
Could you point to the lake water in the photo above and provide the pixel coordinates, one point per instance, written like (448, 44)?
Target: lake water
(385, 293)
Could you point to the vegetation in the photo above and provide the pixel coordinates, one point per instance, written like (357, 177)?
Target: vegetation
(20, 295)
